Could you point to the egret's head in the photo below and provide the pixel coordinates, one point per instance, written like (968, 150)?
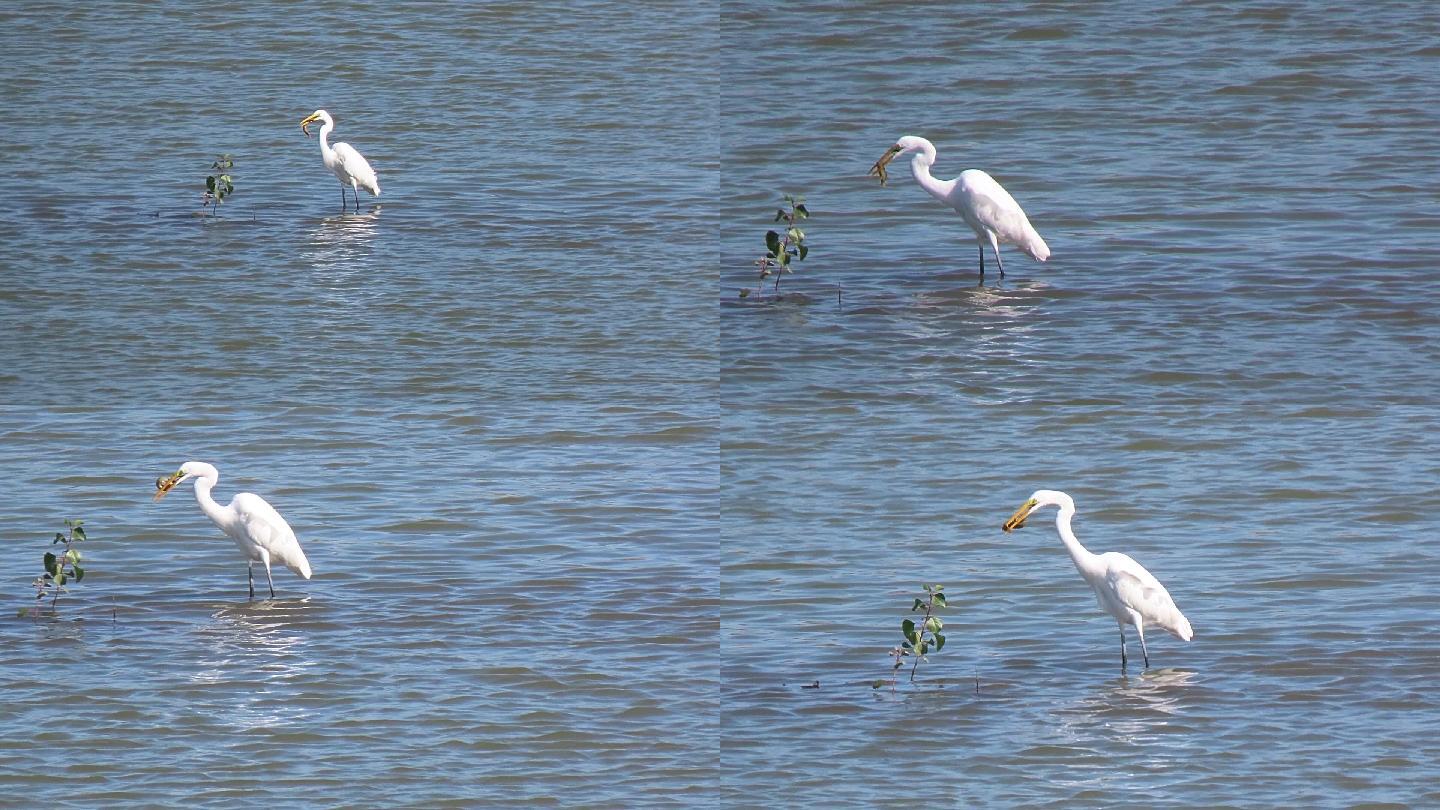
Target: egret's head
(165, 483)
(908, 143)
(320, 116)
(1041, 498)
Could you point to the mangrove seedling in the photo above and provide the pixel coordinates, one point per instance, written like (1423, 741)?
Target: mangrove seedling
(919, 639)
(783, 248)
(60, 568)
(218, 186)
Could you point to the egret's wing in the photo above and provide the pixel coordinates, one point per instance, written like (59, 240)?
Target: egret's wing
(357, 167)
(270, 531)
(993, 207)
(1140, 591)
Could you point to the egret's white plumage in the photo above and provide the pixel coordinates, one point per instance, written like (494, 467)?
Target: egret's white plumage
(347, 164)
(984, 204)
(262, 535)
(1122, 586)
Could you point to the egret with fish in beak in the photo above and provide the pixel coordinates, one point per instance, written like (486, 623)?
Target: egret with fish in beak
(984, 204)
(1122, 586)
(347, 164)
(262, 535)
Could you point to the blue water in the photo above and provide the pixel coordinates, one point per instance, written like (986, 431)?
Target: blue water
(582, 537)
(1229, 362)
(484, 403)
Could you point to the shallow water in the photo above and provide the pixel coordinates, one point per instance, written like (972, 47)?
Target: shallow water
(493, 404)
(1229, 362)
(483, 402)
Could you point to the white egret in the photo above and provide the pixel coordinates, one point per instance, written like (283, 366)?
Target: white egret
(348, 165)
(984, 204)
(262, 535)
(1122, 586)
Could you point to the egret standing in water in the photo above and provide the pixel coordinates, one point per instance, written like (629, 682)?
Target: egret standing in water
(985, 206)
(253, 524)
(348, 165)
(1123, 587)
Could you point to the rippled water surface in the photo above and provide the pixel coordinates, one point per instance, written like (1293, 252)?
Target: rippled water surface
(1230, 362)
(570, 550)
(485, 402)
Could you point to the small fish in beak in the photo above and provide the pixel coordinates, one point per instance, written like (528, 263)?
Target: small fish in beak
(1017, 520)
(878, 170)
(165, 483)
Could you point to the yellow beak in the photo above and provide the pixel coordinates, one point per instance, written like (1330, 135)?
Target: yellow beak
(878, 170)
(165, 483)
(304, 125)
(1017, 520)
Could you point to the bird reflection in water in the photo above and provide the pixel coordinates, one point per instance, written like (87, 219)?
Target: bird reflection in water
(249, 656)
(337, 254)
(1130, 710)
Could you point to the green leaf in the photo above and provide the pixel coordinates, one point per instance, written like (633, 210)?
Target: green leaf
(72, 556)
(874, 685)
(79, 573)
(210, 184)
(802, 211)
(795, 234)
(907, 627)
(79, 532)
(933, 624)
(772, 241)
(904, 645)
(50, 567)
(779, 214)
(939, 642)
(803, 250)
(59, 538)
(784, 258)
(60, 578)
(940, 600)
(918, 604)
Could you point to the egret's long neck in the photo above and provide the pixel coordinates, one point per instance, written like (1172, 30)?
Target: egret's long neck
(920, 168)
(219, 514)
(1086, 562)
(325, 127)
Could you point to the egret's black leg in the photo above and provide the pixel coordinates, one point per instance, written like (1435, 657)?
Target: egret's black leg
(1143, 651)
(250, 575)
(269, 580)
(981, 245)
(998, 261)
(1123, 662)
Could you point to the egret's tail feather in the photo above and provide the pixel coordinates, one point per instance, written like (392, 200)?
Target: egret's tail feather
(1181, 628)
(1034, 246)
(300, 566)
